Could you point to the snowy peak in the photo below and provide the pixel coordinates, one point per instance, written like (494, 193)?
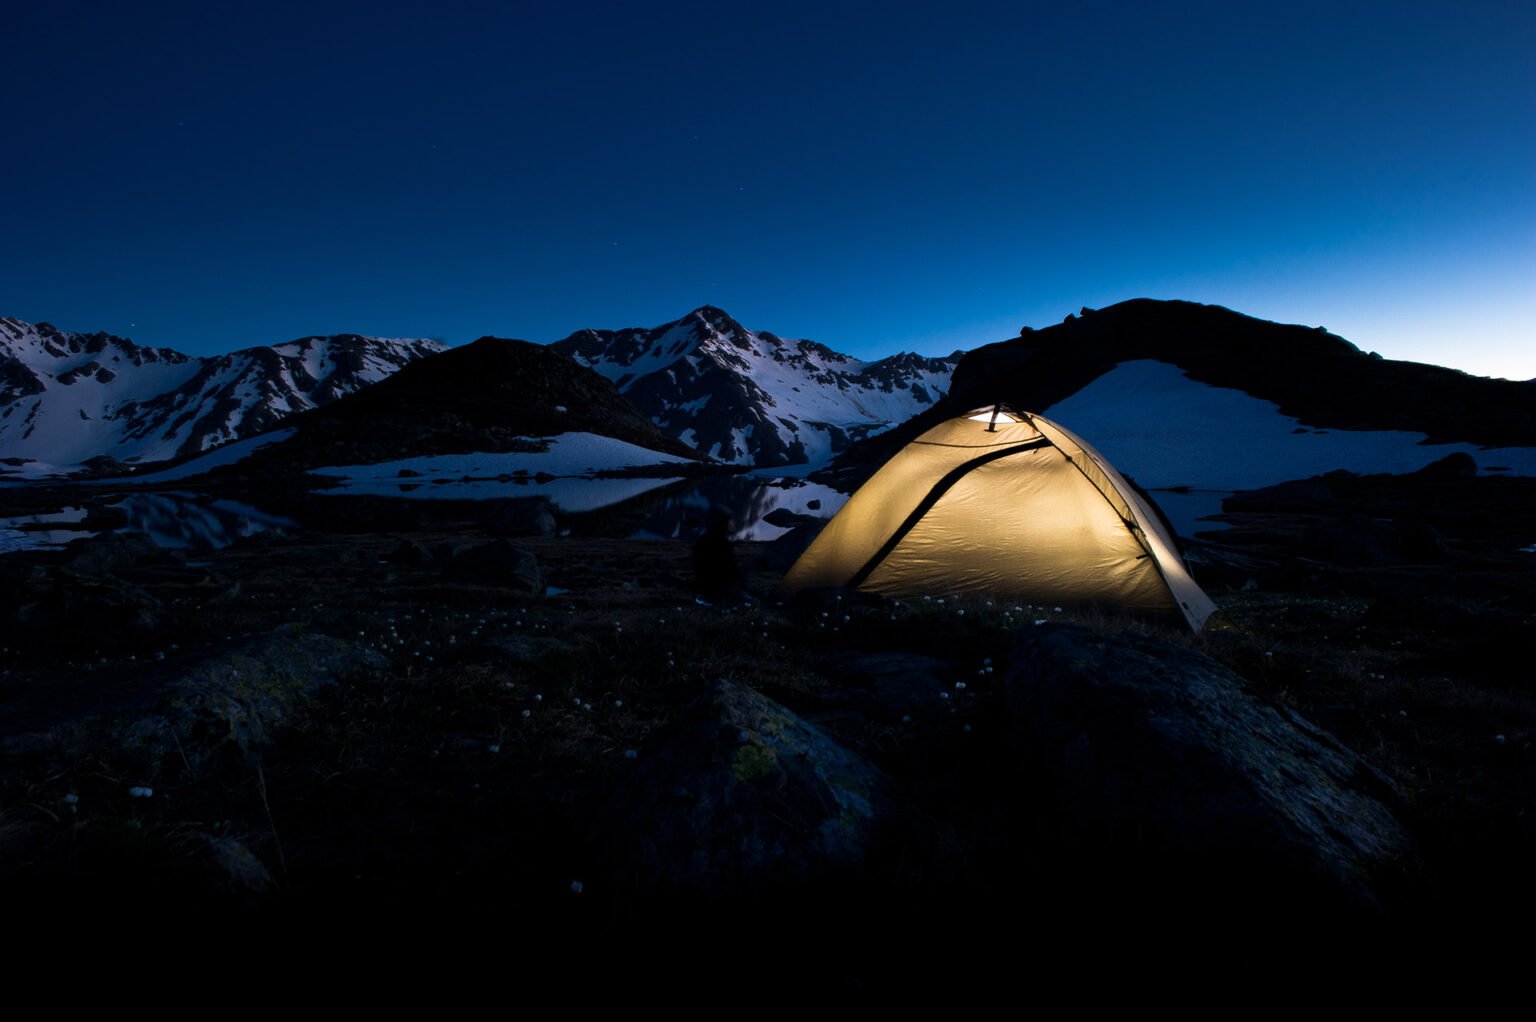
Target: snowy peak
(66, 398)
(45, 345)
(34, 356)
(752, 397)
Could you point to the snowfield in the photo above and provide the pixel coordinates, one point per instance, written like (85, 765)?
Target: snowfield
(574, 494)
(568, 454)
(226, 455)
(1162, 428)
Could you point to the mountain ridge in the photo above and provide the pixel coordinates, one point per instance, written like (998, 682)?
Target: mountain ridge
(495, 394)
(1310, 374)
(751, 397)
(68, 398)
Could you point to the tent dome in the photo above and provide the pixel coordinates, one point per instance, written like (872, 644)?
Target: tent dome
(1008, 503)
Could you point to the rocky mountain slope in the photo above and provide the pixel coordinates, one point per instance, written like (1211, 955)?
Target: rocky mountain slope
(66, 398)
(752, 398)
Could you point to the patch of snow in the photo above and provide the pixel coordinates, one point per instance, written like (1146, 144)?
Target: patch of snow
(1164, 429)
(33, 471)
(785, 472)
(226, 455)
(574, 494)
(568, 454)
(816, 438)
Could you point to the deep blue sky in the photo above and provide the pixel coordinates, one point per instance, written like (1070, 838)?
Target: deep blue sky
(874, 176)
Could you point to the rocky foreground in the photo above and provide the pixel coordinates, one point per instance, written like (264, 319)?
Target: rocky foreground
(438, 718)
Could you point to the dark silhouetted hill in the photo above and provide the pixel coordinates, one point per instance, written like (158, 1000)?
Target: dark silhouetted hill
(1312, 375)
(484, 396)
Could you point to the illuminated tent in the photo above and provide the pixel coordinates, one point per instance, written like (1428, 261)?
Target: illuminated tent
(1006, 503)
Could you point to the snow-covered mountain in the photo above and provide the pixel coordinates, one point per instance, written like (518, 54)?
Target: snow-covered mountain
(66, 398)
(752, 398)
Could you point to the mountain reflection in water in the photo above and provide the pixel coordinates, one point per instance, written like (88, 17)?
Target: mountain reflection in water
(182, 521)
(748, 500)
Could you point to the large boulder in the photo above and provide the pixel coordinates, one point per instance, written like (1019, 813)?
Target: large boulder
(110, 551)
(408, 553)
(522, 516)
(70, 612)
(1164, 771)
(743, 795)
(228, 703)
(179, 720)
(500, 563)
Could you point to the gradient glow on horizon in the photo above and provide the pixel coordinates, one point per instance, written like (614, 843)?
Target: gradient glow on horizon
(874, 177)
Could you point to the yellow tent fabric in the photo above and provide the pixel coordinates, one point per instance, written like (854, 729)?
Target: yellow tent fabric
(1005, 503)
